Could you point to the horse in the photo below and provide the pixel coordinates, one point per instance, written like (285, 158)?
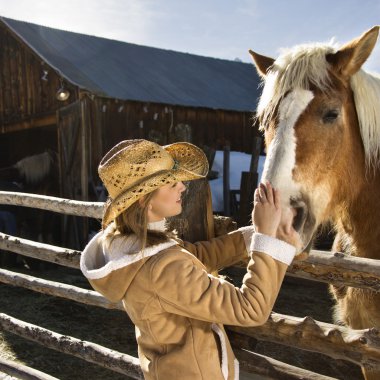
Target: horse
(32, 174)
(320, 114)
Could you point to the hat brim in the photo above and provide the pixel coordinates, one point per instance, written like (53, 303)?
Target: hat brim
(190, 164)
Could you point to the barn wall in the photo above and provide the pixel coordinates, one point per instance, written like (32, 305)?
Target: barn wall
(27, 85)
(28, 103)
(118, 120)
(111, 121)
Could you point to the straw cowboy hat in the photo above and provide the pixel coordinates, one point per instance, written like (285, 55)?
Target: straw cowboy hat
(134, 168)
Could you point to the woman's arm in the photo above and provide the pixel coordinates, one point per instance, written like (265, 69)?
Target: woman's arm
(184, 288)
(223, 251)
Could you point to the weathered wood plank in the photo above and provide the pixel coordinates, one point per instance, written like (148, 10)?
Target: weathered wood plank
(60, 205)
(23, 372)
(338, 269)
(274, 369)
(248, 185)
(57, 289)
(226, 181)
(361, 347)
(91, 352)
(30, 122)
(62, 256)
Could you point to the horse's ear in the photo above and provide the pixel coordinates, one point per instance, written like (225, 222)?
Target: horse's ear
(350, 57)
(262, 63)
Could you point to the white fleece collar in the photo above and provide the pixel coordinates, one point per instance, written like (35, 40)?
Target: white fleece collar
(97, 262)
(157, 226)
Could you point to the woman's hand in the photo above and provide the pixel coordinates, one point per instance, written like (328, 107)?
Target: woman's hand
(266, 214)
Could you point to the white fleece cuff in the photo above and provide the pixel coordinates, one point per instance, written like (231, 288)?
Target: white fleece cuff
(275, 248)
(247, 233)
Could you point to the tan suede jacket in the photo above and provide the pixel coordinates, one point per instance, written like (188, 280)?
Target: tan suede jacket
(179, 309)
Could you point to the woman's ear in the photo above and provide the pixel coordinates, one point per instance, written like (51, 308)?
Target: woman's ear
(142, 201)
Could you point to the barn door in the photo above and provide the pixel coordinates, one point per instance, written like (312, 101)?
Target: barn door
(73, 156)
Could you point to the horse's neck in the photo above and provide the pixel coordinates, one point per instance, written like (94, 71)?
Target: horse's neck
(359, 222)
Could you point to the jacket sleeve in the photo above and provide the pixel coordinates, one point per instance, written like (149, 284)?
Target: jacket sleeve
(184, 288)
(223, 251)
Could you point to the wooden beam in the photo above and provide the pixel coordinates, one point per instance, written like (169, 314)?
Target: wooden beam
(254, 165)
(61, 256)
(226, 181)
(34, 122)
(91, 352)
(23, 372)
(338, 269)
(361, 347)
(57, 289)
(55, 204)
(274, 369)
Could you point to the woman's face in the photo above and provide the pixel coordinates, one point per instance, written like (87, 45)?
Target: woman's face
(166, 202)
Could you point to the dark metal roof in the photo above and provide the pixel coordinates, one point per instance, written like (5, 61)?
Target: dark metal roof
(133, 72)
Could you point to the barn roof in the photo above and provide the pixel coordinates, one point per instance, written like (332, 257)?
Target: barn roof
(133, 72)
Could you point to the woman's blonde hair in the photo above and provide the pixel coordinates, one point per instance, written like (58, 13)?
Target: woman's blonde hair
(134, 220)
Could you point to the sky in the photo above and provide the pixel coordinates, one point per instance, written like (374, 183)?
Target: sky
(215, 28)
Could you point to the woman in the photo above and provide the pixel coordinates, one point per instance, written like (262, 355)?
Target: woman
(179, 309)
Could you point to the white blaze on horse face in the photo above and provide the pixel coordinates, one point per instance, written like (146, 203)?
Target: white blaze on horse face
(281, 157)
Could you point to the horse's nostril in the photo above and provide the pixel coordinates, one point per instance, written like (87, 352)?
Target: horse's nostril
(299, 218)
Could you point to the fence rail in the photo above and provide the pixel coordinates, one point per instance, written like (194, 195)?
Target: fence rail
(23, 372)
(91, 352)
(333, 268)
(46, 252)
(60, 205)
(361, 347)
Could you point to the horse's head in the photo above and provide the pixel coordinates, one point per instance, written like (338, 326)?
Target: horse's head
(313, 131)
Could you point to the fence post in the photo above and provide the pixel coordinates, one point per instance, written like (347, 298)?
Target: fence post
(248, 185)
(84, 164)
(196, 222)
(226, 181)
(255, 154)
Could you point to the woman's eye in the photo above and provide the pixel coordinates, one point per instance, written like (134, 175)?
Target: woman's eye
(174, 184)
(330, 116)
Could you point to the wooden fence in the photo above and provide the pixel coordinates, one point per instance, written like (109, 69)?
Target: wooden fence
(361, 347)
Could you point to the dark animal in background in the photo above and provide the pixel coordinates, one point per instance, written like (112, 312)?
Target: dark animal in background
(36, 174)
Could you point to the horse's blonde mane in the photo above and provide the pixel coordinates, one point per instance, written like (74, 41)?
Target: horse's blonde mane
(366, 89)
(306, 64)
(294, 68)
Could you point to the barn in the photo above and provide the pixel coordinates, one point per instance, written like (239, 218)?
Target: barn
(78, 95)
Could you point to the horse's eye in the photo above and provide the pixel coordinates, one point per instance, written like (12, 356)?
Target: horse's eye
(330, 116)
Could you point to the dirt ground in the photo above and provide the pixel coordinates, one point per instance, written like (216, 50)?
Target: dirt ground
(113, 329)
